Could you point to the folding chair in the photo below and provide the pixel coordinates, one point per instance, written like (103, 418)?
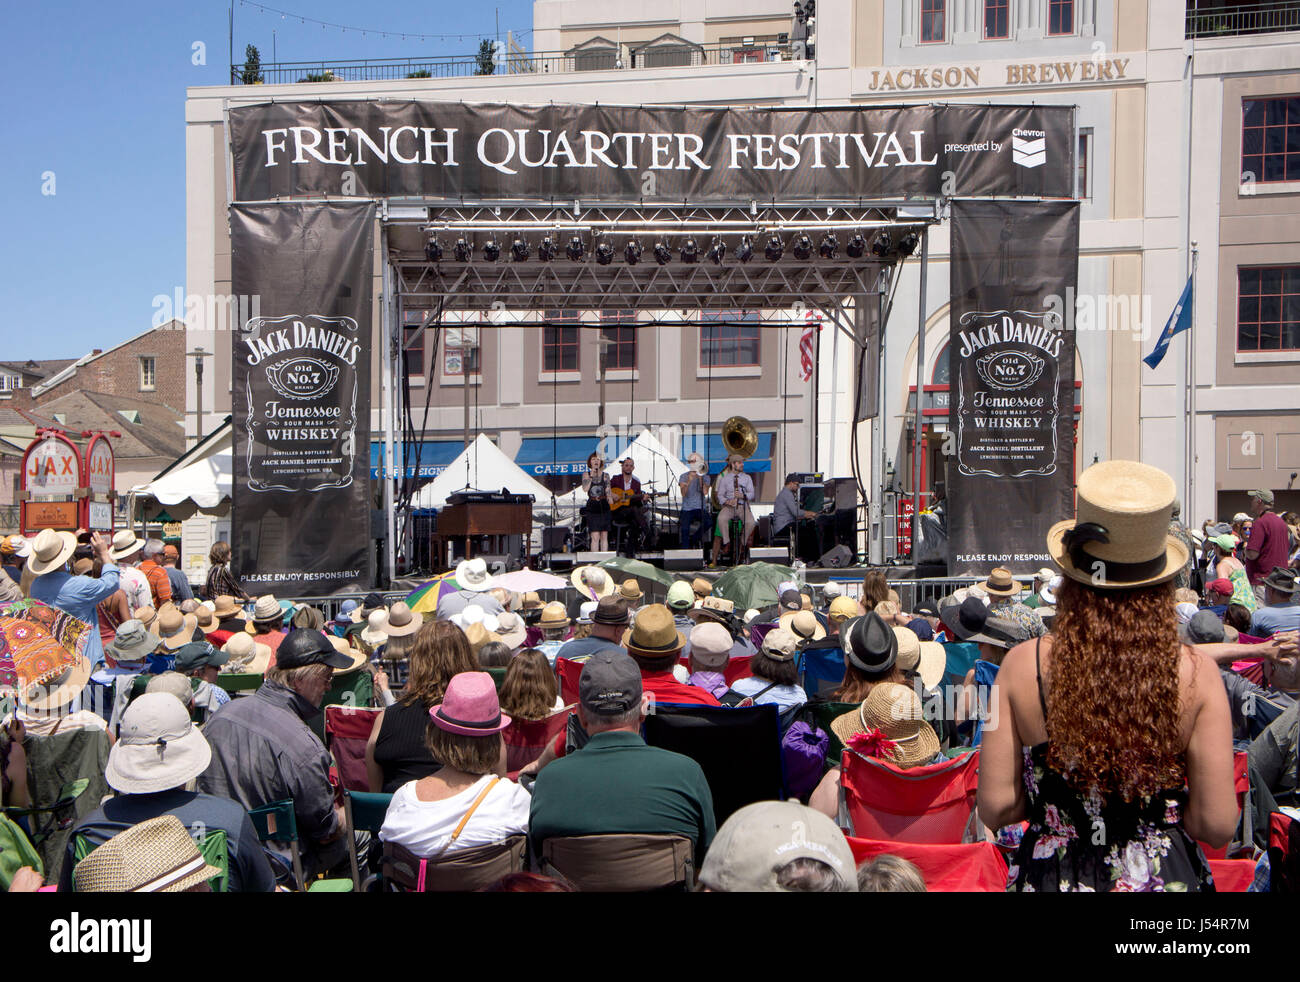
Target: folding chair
(620, 863)
(961, 657)
(464, 870)
(526, 739)
(1283, 853)
(975, 867)
(276, 822)
(930, 804)
(821, 671)
(1232, 875)
(823, 714)
(354, 689)
(347, 730)
(363, 811)
(739, 750)
(237, 683)
(1241, 785)
(734, 670)
(65, 774)
(498, 676)
(568, 673)
(213, 847)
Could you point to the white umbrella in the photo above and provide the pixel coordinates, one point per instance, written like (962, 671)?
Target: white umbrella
(523, 580)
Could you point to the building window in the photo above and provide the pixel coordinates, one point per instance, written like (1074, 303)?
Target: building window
(559, 348)
(8, 383)
(933, 26)
(462, 347)
(1270, 139)
(997, 20)
(1083, 190)
(413, 353)
(1060, 17)
(1268, 308)
(619, 328)
(727, 339)
(148, 374)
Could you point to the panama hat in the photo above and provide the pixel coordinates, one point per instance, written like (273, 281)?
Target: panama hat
(554, 615)
(714, 609)
(157, 748)
(50, 551)
(401, 621)
(125, 544)
(653, 633)
(803, 624)
(246, 655)
(1119, 538)
(176, 629)
(225, 608)
(473, 575)
(1001, 584)
(153, 856)
(470, 707)
(592, 582)
(630, 590)
(896, 711)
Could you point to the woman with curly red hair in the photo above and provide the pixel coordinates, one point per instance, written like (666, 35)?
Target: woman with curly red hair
(1112, 738)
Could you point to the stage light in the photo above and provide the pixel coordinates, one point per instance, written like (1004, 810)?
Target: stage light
(519, 250)
(857, 246)
(604, 253)
(663, 255)
(546, 251)
(717, 252)
(690, 251)
(633, 252)
(829, 246)
(908, 243)
(881, 245)
(462, 251)
(802, 247)
(574, 249)
(745, 251)
(774, 249)
(491, 250)
(433, 251)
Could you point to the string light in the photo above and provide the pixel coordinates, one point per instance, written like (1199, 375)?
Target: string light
(364, 32)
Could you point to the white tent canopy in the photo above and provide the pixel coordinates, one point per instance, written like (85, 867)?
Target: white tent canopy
(202, 484)
(657, 468)
(481, 466)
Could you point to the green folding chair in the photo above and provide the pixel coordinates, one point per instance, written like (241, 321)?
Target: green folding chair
(237, 682)
(823, 713)
(363, 811)
(276, 822)
(498, 676)
(213, 847)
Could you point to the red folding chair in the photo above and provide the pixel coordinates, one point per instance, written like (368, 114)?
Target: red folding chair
(1240, 784)
(525, 739)
(1232, 875)
(568, 673)
(1284, 867)
(736, 668)
(975, 867)
(932, 804)
(347, 729)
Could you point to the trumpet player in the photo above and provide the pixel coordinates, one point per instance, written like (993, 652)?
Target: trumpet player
(735, 491)
(694, 485)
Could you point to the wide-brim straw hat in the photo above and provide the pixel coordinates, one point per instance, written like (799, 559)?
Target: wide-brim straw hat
(373, 633)
(554, 614)
(588, 590)
(653, 633)
(934, 662)
(358, 657)
(50, 551)
(183, 636)
(1001, 584)
(402, 621)
(153, 856)
(473, 575)
(806, 622)
(1119, 538)
(125, 543)
(897, 712)
(247, 657)
(225, 608)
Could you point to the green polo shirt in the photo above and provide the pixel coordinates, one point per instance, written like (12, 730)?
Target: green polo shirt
(618, 784)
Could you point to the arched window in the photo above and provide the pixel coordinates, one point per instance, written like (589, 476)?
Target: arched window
(940, 374)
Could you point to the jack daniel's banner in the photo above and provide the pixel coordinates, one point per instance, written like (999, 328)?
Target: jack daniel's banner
(301, 400)
(1010, 467)
(456, 152)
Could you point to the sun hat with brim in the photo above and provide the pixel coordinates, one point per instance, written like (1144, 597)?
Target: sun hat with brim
(803, 624)
(653, 633)
(896, 711)
(402, 621)
(47, 675)
(373, 633)
(1050, 588)
(50, 551)
(712, 608)
(630, 590)
(592, 582)
(511, 628)
(176, 629)
(1119, 538)
(470, 707)
(473, 575)
(701, 587)
(780, 644)
(909, 648)
(83, 567)
(356, 657)
(933, 663)
(124, 544)
(204, 619)
(199, 654)
(1281, 579)
(1227, 542)
(1001, 584)
(711, 644)
(225, 608)
(756, 841)
(869, 644)
(554, 615)
(344, 616)
(157, 747)
(246, 655)
(132, 642)
(477, 635)
(154, 856)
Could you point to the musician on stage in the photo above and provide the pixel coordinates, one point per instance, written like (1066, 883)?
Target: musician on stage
(596, 510)
(628, 504)
(735, 492)
(787, 512)
(695, 493)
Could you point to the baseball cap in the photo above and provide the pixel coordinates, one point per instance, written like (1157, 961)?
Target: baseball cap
(680, 595)
(1203, 628)
(303, 647)
(780, 644)
(1264, 495)
(759, 839)
(197, 654)
(832, 589)
(1222, 586)
(610, 683)
(711, 644)
(791, 600)
(843, 608)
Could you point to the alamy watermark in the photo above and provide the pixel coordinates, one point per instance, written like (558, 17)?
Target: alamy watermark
(215, 312)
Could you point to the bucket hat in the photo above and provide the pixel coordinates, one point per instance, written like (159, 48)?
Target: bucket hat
(132, 642)
(473, 575)
(470, 707)
(701, 587)
(157, 747)
(1281, 579)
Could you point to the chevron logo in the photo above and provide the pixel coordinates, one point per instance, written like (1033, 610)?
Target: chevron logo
(1029, 150)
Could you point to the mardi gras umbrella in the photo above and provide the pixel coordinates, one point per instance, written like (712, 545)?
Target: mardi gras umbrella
(752, 585)
(424, 598)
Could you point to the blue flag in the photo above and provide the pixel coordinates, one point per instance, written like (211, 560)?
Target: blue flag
(1179, 320)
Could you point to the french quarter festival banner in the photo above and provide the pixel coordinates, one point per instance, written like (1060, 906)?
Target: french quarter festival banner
(1011, 361)
(455, 152)
(301, 399)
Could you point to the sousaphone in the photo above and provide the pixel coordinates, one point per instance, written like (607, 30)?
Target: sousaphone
(738, 437)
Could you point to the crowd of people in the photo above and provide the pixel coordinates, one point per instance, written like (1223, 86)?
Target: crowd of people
(1105, 699)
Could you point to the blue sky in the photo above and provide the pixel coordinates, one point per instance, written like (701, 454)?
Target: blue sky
(98, 102)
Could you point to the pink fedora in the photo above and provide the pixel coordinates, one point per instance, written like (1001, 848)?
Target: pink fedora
(470, 707)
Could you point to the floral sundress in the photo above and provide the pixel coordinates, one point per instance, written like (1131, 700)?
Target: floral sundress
(1079, 842)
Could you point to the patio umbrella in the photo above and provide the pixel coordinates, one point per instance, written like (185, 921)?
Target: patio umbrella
(525, 580)
(753, 585)
(424, 598)
(639, 569)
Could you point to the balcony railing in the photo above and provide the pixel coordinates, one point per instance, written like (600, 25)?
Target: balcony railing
(535, 63)
(1204, 21)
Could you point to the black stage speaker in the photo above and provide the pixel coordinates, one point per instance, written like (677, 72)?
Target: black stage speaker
(837, 558)
(553, 538)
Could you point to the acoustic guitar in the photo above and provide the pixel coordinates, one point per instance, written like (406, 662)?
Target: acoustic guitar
(623, 496)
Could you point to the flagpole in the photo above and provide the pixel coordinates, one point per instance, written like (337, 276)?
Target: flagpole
(1189, 485)
(920, 390)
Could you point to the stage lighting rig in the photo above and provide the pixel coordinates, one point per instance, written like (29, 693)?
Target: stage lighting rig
(829, 246)
(881, 245)
(574, 250)
(690, 251)
(745, 251)
(632, 254)
(802, 247)
(604, 253)
(462, 251)
(908, 243)
(663, 255)
(519, 250)
(547, 250)
(491, 250)
(857, 246)
(774, 249)
(433, 251)
(717, 252)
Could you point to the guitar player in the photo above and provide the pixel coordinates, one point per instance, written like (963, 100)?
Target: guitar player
(628, 505)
